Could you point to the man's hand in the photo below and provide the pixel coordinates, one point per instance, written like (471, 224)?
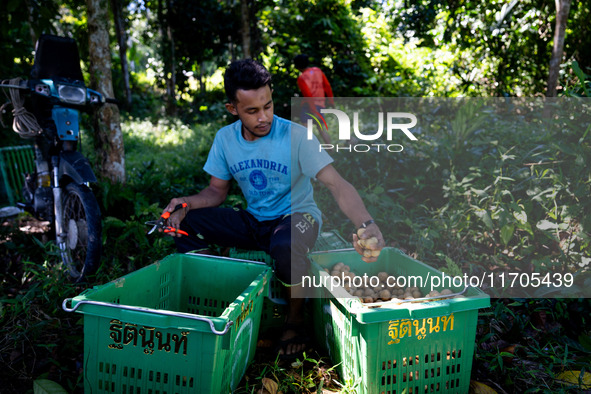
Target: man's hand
(372, 242)
(177, 217)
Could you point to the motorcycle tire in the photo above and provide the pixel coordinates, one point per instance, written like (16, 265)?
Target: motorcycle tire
(82, 224)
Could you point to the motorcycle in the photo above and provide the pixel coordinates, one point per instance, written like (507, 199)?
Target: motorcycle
(49, 113)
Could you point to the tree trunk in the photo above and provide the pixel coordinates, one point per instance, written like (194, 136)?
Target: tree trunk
(120, 29)
(201, 78)
(168, 57)
(108, 135)
(562, 11)
(31, 21)
(245, 30)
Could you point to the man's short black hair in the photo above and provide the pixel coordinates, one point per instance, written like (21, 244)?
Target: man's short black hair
(301, 61)
(246, 74)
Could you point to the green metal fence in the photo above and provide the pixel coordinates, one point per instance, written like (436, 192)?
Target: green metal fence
(15, 161)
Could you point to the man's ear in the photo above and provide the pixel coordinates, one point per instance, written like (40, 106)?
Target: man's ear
(231, 108)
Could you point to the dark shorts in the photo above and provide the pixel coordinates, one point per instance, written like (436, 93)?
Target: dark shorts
(287, 239)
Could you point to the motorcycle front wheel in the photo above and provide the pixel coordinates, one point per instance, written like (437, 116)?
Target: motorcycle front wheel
(82, 224)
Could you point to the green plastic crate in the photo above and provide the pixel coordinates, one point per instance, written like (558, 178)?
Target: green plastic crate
(410, 347)
(186, 324)
(330, 240)
(274, 305)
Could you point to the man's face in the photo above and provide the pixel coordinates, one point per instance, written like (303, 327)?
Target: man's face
(255, 109)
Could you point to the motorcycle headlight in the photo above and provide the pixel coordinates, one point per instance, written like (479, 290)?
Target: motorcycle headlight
(72, 94)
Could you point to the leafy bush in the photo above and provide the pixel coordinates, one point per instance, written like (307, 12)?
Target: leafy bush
(482, 188)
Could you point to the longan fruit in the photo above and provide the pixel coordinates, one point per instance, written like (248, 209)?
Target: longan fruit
(385, 295)
(371, 243)
(368, 292)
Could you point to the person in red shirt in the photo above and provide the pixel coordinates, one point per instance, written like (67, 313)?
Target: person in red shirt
(313, 85)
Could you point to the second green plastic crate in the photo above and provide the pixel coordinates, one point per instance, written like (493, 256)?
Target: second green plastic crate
(413, 347)
(186, 324)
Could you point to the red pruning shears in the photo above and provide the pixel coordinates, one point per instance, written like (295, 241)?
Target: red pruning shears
(160, 223)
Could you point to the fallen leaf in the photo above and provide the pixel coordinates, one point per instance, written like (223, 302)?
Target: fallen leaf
(297, 364)
(480, 388)
(575, 378)
(508, 350)
(270, 385)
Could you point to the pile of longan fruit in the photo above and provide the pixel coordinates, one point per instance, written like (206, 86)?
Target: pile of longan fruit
(382, 292)
(368, 245)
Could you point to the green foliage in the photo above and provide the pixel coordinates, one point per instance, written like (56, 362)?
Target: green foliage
(501, 48)
(201, 30)
(481, 189)
(311, 374)
(327, 32)
(18, 37)
(45, 386)
(39, 339)
(163, 161)
(582, 88)
(525, 344)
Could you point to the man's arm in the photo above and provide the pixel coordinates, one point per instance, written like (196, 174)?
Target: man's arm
(350, 203)
(212, 196)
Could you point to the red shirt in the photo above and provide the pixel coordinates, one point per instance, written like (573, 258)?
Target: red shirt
(313, 83)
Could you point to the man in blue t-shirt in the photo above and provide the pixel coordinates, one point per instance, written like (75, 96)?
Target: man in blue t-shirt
(273, 162)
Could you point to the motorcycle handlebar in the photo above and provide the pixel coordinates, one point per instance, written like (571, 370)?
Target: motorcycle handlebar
(23, 85)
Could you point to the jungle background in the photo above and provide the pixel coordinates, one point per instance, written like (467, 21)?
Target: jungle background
(503, 199)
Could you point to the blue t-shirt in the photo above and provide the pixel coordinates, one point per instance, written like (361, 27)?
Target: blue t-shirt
(273, 171)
